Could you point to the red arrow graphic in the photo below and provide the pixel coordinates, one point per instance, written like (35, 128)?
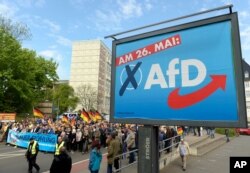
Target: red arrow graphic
(177, 101)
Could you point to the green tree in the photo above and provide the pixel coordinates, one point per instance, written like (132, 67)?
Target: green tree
(24, 76)
(64, 97)
(16, 29)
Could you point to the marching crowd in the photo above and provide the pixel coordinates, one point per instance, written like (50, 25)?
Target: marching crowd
(89, 138)
(77, 137)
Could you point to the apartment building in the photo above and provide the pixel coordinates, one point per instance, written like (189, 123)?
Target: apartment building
(91, 64)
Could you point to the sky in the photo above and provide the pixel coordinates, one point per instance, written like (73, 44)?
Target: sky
(55, 24)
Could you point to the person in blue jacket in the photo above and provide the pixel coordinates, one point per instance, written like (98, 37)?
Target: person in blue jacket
(95, 157)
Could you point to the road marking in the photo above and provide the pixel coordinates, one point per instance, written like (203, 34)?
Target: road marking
(202, 168)
(82, 161)
(17, 151)
(212, 160)
(7, 148)
(10, 156)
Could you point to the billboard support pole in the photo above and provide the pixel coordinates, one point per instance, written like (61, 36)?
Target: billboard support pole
(148, 154)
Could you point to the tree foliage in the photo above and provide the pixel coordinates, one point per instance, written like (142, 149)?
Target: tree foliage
(24, 76)
(64, 97)
(87, 96)
(16, 29)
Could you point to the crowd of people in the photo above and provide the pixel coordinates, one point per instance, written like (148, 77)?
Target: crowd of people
(80, 136)
(89, 138)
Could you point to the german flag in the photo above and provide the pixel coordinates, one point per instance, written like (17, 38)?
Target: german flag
(38, 113)
(98, 116)
(179, 130)
(73, 122)
(85, 116)
(92, 116)
(65, 119)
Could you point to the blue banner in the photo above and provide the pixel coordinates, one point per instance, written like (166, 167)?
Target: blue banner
(47, 142)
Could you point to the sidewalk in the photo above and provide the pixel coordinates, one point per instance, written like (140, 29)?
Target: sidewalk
(214, 161)
(83, 166)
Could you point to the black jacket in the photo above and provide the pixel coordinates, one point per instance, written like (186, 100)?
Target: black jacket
(61, 164)
(29, 154)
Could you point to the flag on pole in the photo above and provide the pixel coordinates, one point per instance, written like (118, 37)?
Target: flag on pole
(92, 116)
(85, 116)
(98, 116)
(65, 119)
(38, 113)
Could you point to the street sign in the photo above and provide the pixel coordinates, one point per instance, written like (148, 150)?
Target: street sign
(189, 74)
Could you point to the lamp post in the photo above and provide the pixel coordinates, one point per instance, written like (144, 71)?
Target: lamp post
(57, 108)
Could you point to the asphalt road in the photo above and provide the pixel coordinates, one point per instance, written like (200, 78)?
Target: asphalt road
(12, 160)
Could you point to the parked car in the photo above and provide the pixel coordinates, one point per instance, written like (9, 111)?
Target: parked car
(243, 131)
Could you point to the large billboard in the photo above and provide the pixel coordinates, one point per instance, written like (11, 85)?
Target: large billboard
(189, 74)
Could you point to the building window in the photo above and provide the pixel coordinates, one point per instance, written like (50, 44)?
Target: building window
(248, 94)
(248, 105)
(246, 74)
(247, 84)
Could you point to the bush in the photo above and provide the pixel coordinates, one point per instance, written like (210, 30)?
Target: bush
(222, 131)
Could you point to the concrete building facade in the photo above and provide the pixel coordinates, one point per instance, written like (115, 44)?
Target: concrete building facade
(246, 69)
(91, 65)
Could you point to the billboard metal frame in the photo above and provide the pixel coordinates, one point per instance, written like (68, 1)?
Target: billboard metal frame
(239, 77)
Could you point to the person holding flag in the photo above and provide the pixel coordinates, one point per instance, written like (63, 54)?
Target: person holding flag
(37, 113)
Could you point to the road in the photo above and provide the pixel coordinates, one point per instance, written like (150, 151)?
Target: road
(12, 160)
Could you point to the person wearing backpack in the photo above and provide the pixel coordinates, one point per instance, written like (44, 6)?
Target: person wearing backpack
(95, 157)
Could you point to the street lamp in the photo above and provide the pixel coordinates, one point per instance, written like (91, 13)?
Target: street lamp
(57, 108)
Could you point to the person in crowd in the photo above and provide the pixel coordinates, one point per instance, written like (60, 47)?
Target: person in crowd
(161, 138)
(31, 155)
(184, 151)
(79, 140)
(73, 140)
(114, 149)
(95, 158)
(118, 149)
(168, 141)
(62, 163)
(103, 136)
(97, 134)
(130, 140)
(227, 134)
(85, 140)
(59, 145)
(69, 139)
(212, 132)
(110, 153)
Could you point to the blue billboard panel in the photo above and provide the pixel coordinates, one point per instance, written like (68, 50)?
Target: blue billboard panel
(181, 76)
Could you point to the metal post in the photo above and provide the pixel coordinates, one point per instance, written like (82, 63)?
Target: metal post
(57, 109)
(148, 154)
(171, 20)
